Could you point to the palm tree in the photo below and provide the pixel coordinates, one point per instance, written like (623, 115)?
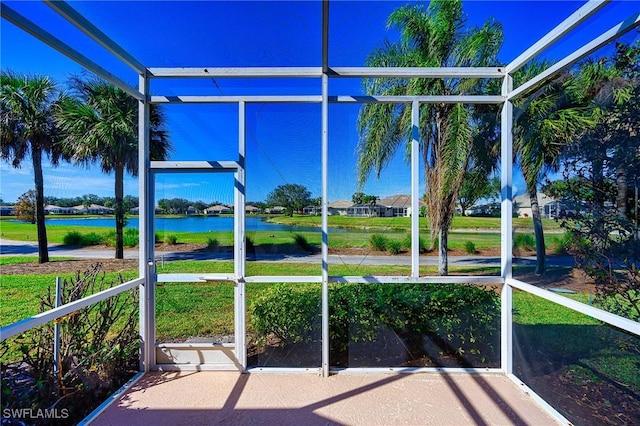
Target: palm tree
(544, 124)
(28, 128)
(434, 37)
(101, 125)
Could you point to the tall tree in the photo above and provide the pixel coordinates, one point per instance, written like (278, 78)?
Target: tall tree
(291, 196)
(28, 128)
(25, 207)
(545, 123)
(100, 124)
(431, 37)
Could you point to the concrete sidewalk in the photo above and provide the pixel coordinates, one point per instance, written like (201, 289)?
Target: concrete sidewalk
(231, 398)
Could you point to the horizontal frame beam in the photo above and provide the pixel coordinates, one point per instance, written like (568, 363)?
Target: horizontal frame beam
(61, 311)
(557, 33)
(235, 99)
(615, 32)
(195, 166)
(622, 323)
(378, 279)
(194, 278)
(417, 72)
(454, 99)
(83, 24)
(316, 72)
(49, 39)
(248, 72)
(448, 279)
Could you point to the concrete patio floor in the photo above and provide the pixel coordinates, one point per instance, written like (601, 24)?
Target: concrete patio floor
(231, 398)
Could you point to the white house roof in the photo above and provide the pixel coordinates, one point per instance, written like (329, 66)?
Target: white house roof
(218, 208)
(340, 204)
(400, 200)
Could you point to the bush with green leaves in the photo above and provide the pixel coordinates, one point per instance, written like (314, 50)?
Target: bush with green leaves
(291, 314)
(464, 320)
(76, 238)
(212, 244)
(378, 242)
(99, 348)
(171, 239)
(470, 247)
(422, 245)
(393, 246)
(524, 242)
(130, 238)
(72, 238)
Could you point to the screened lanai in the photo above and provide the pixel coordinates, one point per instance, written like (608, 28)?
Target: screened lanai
(266, 96)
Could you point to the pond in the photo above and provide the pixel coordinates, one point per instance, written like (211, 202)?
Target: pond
(188, 224)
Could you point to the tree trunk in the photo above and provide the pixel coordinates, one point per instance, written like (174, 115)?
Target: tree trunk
(43, 251)
(538, 231)
(119, 210)
(443, 259)
(622, 186)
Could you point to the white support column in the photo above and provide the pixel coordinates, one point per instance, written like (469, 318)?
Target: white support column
(239, 255)
(146, 240)
(506, 226)
(325, 186)
(415, 191)
(325, 227)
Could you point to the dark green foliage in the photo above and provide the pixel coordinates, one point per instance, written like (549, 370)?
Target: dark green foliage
(73, 238)
(288, 313)
(99, 348)
(470, 247)
(463, 318)
(212, 244)
(171, 239)
(524, 242)
(76, 238)
(292, 197)
(378, 242)
(130, 238)
(393, 246)
(422, 245)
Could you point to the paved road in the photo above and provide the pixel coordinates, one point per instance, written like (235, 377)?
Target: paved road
(16, 248)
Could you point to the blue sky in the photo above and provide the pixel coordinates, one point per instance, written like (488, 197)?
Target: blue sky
(283, 140)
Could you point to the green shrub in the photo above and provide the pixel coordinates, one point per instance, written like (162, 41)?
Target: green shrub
(393, 246)
(92, 239)
(524, 242)
(568, 242)
(130, 237)
(212, 244)
(171, 239)
(99, 347)
(292, 314)
(465, 318)
(72, 238)
(422, 245)
(470, 247)
(378, 242)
